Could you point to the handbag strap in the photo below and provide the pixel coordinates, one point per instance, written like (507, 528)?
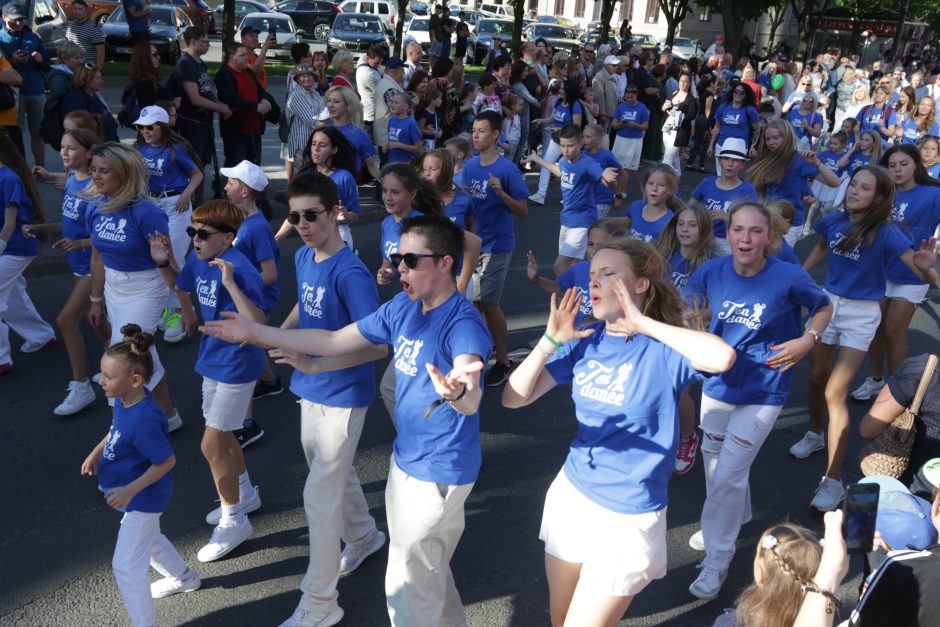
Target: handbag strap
(924, 382)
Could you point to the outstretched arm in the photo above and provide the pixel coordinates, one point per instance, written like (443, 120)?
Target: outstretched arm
(240, 329)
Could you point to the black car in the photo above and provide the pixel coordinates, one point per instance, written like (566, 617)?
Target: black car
(311, 16)
(242, 8)
(356, 32)
(166, 33)
(555, 35)
(481, 40)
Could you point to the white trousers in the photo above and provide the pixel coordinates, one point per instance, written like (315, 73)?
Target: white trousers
(346, 233)
(672, 155)
(137, 297)
(139, 546)
(16, 309)
(425, 522)
(179, 240)
(733, 437)
(793, 235)
(333, 500)
(552, 152)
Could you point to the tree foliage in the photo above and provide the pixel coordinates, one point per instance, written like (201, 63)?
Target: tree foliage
(734, 15)
(674, 11)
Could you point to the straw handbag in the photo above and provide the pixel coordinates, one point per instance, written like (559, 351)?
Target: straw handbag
(889, 453)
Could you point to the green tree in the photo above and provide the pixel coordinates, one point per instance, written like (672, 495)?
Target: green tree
(859, 9)
(607, 13)
(803, 10)
(734, 15)
(674, 11)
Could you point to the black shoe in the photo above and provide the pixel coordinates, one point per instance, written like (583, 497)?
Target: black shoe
(498, 374)
(248, 435)
(263, 389)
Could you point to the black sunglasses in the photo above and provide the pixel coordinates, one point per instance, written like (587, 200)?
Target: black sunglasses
(411, 259)
(144, 127)
(202, 234)
(91, 66)
(310, 215)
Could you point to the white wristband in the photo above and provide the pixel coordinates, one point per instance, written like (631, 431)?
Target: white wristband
(96, 299)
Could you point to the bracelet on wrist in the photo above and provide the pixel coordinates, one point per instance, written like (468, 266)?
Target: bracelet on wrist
(96, 299)
(551, 339)
(459, 396)
(831, 600)
(547, 353)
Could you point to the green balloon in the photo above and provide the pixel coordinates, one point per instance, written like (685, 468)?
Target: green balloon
(777, 81)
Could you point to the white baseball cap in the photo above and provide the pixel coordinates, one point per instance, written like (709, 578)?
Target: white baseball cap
(152, 115)
(611, 60)
(248, 173)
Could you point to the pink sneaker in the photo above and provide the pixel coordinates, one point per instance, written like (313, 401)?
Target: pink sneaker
(685, 457)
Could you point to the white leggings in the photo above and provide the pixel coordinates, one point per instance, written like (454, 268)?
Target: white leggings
(552, 152)
(672, 156)
(139, 546)
(733, 437)
(137, 297)
(179, 240)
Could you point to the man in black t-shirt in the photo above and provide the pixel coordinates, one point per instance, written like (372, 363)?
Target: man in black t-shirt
(463, 33)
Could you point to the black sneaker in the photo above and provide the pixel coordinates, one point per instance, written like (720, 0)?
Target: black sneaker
(263, 389)
(248, 435)
(498, 374)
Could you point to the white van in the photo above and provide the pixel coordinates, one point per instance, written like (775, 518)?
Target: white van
(387, 11)
(498, 10)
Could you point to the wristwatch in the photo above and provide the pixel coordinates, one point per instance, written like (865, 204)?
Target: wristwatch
(622, 196)
(816, 335)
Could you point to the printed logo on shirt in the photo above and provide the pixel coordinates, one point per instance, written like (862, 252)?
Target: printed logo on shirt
(313, 300)
(602, 383)
(629, 115)
(206, 292)
(390, 248)
(70, 205)
(679, 279)
(731, 118)
(567, 180)
(898, 211)
(107, 228)
(155, 166)
(406, 354)
(854, 254)
(643, 237)
(737, 313)
(113, 438)
(723, 206)
(393, 133)
(477, 188)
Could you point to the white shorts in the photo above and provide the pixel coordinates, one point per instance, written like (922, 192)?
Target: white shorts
(911, 293)
(620, 554)
(853, 322)
(572, 241)
(627, 150)
(225, 405)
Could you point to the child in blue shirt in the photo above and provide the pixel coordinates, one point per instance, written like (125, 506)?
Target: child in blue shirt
(133, 464)
(579, 178)
(631, 121)
(835, 150)
(224, 280)
(604, 196)
(866, 151)
(719, 193)
(459, 149)
(647, 218)
(404, 137)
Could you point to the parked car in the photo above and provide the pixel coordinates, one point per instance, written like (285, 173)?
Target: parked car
(242, 8)
(167, 24)
(684, 49)
(418, 8)
(418, 29)
(98, 10)
(647, 42)
(594, 37)
(496, 10)
(555, 35)
(200, 13)
(481, 39)
(48, 21)
(387, 11)
(470, 16)
(357, 32)
(285, 32)
(313, 16)
(546, 19)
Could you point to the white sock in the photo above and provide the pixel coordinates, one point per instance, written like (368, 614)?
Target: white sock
(230, 512)
(245, 489)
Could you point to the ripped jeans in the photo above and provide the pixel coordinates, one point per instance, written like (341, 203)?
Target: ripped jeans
(733, 435)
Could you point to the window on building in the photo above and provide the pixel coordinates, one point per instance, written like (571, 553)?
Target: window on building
(579, 8)
(559, 7)
(652, 12)
(626, 10)
(705, 15)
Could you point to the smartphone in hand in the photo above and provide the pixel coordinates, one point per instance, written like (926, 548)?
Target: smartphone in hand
(860, 513)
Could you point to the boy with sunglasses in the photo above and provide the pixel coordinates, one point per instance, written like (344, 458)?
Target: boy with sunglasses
(436, 454)
(224, 280)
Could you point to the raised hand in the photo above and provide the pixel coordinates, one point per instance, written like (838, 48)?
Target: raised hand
(228, 270)
(631, 315)
(457, 381)
(926, 257)
(160, 250)
(561, 318)
(532, 266)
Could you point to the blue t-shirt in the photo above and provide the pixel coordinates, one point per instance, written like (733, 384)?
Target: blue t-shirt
(137, 440)
(787, 254)
(637, 113)
(860, 273)
(405, 131)
(934, 171)
(792, 186)
(256, 241)
(578, 181)
(858, 160)
(625, 396)
(391, 234)
(736, 122)
(331, 294)
(917, 212)
(752, 314)
(579, 276)
(12, 192)
(911, 133)
(348, 190)
(120, 237)
(870, 117)
(564, 114)
(602, 194)
(459, 208)
(460, 179)
(169, 167)
(830, 159)
(795, 118)
(445, 446)
(493, 217)
(362, 145)
(680, 268)
(218, 359)
(75, 224)
(714, 198)
(135, 24)
(640, 228)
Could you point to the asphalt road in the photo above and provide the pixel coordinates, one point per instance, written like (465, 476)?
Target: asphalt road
(58, 534)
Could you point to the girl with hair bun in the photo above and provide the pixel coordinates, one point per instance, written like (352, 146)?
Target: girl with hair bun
(133, 464)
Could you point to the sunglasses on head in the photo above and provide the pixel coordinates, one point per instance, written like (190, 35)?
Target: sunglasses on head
(203, 234)
(310, 215)
(411, 259)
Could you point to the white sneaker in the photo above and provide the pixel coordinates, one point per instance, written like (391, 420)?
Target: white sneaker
(867, 389)
(248, 505)
(708, 583)
(175, 422)
(537, 198)
(170, 585)
(81, 395)
(305, 618)
(829, 495)
(34, 347)
(353, 555)
(697, 541)
(224, 540)
(810, 443)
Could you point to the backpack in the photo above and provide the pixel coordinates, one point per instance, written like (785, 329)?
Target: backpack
(52, 127)
(130, 108)
(283, 126)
